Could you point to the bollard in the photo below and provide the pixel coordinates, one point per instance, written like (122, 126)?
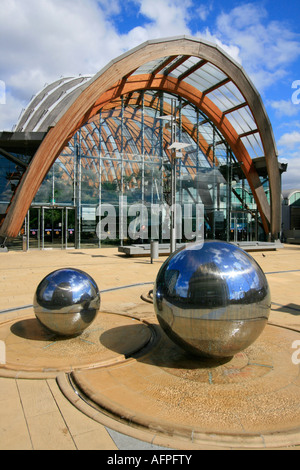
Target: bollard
(24, 241)
(154, 250)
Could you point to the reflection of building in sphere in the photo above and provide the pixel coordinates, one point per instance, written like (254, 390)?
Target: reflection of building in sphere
(212, 299)
(67, 301)
(171, 279)
(206, 287)
(62, 295)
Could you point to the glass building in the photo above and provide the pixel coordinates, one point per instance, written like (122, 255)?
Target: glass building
(118, 156)
(291, 215)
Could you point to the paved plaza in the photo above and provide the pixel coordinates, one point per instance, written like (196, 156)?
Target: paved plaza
(39, 407)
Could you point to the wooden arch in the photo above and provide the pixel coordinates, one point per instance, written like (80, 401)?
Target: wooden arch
(118, 76)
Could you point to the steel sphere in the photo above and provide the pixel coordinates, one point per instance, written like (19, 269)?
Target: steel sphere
(67, 301)
(212, 299)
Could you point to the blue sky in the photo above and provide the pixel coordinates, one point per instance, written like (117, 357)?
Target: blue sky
(41, 40)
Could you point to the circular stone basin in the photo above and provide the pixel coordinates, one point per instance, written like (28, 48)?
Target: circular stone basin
(30, 347)
(250, 400)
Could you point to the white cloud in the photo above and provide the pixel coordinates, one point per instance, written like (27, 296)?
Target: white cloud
(291, 179)
(41, 40)
(285, 108)
(289, 152)
(166, 18)
(289, 144)
(230, 49)
(266, 48)
(110, 7)
(290, 140)
(10, 112)
(166, 12)
(204, 10)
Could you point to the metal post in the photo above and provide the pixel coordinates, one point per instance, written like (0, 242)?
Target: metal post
(66, 228)
(180, 174)
(25, 238)
(77, 182)
(121, 204)
(39, 228)
(43, 228)
(256, 225)
(143, 147)
(75, 189)
(143, 124)
(214, 186)
(143, 178)
(173, 179)
(154, 250)
(79, 191)
(228, 192)
(53, 186)
(198, 161)
(100, 179)
(173, 203)
(27, 232)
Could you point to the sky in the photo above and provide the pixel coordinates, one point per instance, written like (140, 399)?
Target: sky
(42, 40)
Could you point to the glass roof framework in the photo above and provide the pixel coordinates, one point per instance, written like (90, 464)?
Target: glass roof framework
(212, 82)
(117, 134)
(202, 75)
(121, 127)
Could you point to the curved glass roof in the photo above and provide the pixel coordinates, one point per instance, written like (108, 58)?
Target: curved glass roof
(203, 76)
(220, 89)
(48, 103)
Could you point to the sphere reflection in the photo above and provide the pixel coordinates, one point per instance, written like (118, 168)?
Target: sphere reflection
(66, 301)
(212, 299)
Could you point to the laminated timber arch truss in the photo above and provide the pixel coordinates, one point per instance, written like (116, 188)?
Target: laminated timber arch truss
(192, 70)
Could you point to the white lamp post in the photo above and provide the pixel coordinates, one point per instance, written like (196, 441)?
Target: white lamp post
(175, 147)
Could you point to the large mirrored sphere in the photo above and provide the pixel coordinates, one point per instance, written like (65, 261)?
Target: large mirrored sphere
(212, 299)
(67, 301)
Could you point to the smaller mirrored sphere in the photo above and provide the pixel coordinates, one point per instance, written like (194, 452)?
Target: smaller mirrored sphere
(212, 299)
(67, 301)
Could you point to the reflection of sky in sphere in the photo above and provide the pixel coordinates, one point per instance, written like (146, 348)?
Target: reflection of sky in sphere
(235, 267)
(72, 281)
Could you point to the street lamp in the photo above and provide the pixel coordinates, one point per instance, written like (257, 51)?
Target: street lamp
(176, 148)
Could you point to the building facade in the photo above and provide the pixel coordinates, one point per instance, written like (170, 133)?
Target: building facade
(99, 160)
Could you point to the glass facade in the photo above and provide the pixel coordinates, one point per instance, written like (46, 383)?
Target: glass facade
(290, 214)
(115, 173)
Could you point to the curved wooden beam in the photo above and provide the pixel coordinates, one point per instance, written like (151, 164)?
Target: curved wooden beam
(80, 110)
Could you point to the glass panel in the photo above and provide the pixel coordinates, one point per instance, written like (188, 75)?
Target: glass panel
(206, 77)
(34, 228)
(53, 227)
(295, 199)
(10, 175)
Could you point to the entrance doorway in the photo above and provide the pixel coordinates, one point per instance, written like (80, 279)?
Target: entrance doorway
(51, 227)
(243, 226)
